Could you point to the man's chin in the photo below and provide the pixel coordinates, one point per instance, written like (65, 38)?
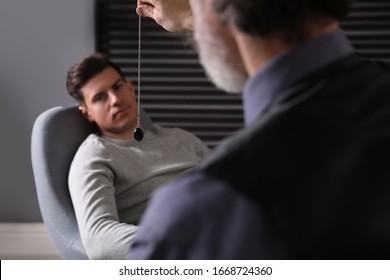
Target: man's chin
(228, 81)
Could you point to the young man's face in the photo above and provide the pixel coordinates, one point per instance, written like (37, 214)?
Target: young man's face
(110, 102)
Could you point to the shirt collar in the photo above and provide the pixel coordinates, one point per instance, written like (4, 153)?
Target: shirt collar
(289, 67)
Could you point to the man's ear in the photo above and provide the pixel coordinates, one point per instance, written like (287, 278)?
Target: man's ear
(130, 83)
(85, 113)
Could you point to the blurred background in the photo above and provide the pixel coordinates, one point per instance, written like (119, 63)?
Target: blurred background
(41, 39)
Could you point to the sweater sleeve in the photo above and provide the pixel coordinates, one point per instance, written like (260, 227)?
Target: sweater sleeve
(91, 186)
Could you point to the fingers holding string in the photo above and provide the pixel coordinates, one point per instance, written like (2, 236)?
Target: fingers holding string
(146, 8)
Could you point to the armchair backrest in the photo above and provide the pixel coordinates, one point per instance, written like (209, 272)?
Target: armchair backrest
(57, 134)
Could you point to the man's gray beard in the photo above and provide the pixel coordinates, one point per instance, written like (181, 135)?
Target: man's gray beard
(222, 64)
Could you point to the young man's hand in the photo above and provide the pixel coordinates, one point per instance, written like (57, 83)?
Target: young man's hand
(173, 15)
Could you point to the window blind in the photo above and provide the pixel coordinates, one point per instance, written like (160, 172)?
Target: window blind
(368, 28)
(175, 91)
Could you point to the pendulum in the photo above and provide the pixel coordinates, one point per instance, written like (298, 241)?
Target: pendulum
(138, 133)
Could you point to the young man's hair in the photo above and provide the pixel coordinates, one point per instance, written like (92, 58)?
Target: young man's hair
(80, 73)
(284, 18)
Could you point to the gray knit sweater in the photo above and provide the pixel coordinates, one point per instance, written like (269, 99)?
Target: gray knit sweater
(110, 182)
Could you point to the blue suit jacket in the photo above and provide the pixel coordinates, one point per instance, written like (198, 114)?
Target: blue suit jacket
(318, 164)
(310, 179)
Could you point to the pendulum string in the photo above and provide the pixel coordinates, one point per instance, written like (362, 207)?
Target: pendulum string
(138, 132)
(139, 69)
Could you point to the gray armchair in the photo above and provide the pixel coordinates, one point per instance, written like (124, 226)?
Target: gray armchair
(56, 136)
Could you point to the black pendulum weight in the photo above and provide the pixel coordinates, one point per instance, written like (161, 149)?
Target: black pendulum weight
(138, 133)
